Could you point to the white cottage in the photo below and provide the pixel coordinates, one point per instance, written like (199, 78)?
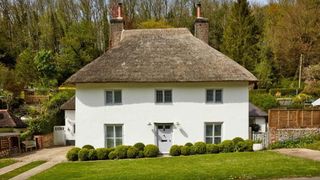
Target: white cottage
(162, 87)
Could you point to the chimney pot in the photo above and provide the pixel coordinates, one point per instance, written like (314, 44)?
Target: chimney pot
(116, 27)
(201, 26)
(119, 15)
(198, 10)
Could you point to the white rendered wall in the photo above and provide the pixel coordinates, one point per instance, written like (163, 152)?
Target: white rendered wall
(69, 116)
(138, 109)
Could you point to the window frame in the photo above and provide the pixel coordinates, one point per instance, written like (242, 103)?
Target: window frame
(213, 124)
(113, 97)
(163, 96)
(214, 101)
(114, 138)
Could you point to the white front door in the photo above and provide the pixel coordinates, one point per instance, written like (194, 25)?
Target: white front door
(164, 137)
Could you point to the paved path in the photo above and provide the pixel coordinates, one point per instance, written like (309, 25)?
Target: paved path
(53, 156)
(303, 153)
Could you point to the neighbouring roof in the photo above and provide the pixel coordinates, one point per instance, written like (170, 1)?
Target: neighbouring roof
(161, 55)
(69, 105)
(254, 111)
(316, 102)
(8, 120)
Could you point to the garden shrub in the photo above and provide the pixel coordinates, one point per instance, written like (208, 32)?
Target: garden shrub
(102, 153)
(212, 148)
(140, 146)
(112, 155)
(140, 154)
(227, 146)
(83, 154)
(189, 144)
(200, 147)
(151, 150)
(72, 154)
(236, 140)
(132, 152)
(92, 154)
(241, 146)
(121, 151)
(264, 101)
(193, 150)
(175, 150)
(249, 145)
(185, 150)
(87, 147)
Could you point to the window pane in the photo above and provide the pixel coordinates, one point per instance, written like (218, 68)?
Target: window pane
(219, 96)
(110, 131)
(217, 140)
(209, 95)
(108, 97)
(110, 143)
(118, 131)
(209, 140)
(159, 96)
(168, 96)
(217, 130)
(117, 96)
(118, 142)
(209, 130)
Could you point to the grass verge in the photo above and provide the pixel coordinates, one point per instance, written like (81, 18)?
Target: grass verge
(248, 165)
(6, 162)
(21, 169)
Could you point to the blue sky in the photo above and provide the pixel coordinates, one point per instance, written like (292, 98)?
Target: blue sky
(262, 2)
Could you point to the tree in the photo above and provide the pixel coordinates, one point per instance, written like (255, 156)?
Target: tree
(241, 36)
(46, 67)
(25, 68)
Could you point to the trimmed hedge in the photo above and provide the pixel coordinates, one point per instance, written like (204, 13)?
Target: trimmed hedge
(87, 147)
(213, 148)
(102, 153)
(92, 154)
(186, 150)
(140, 146)
(132, 152)
(175, 150)
(227, 146)
(72, 154)
(151, 150)
(140, 154)
(112, 155)
(121, 151)
(83, 154)
(189, 144)
(236, 140)
(200, 147)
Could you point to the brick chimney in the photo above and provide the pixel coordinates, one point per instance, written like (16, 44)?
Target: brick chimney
(116, 26)
(201, 26)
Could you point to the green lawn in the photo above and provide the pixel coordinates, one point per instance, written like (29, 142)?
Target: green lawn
(6, 162)
(252, 165)
(20, 170)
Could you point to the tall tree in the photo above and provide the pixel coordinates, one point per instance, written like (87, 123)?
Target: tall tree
(241, 35)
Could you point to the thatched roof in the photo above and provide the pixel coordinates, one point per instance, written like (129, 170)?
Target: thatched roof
(8, 120)
(254, 111)
(161, 55)
(69, 105)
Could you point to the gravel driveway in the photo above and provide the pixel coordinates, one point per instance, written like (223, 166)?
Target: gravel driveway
(303, 153)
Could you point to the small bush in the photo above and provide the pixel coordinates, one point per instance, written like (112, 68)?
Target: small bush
(72, 154)
(212, 148)
(132, 152)
(121, 151)
(140, 154)
(87, 147)
(112, 155)
(83, 154)
(92, 154)
(175, 150)
(193, 150)
(185, 150)
(151, 150)
(140, 146)
(227, 146)
(200, 147)
(236, 140)
(102, 153)
(249, 145)
(189, 144)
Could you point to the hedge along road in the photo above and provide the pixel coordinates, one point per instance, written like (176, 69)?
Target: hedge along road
(52, 156)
